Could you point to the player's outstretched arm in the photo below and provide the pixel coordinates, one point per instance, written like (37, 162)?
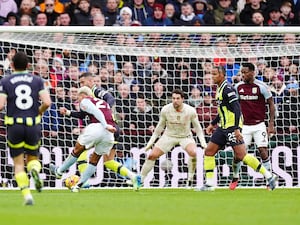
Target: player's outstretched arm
(157, 131)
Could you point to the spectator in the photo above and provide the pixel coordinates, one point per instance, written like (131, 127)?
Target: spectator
(98, 20)
(158, 72)
(258, 19)
(250, 8)
(116, 80)
(216, 16)
(83, 16)
(125, 18)
(26, 20)
(207, 110)
(159, 96)
(143, 67)
(27, 7)
(158, 18)
(140, 11)
(187, 15)
(275, 18)
(287, 15)
(58, 7)
(142, 121)
(51, 13)
(200, 7)
(111, 12)
(231, 18)
(50, 122)
(268, 75)
(183, 78)
(41, 19)
(6, 7)
(57, 71)
(208, 84)
(123, 103)
(12, 19)
(129, 74)
(283, 67)
(261, 66)
(195, 98)
(41, 69)
(170, 12)
(64, 19)
(68, 126)
(135, 89)
(105, 79)
(73, 74)
(8, 59)
(95, 9)
(70, 8)
(278, 89)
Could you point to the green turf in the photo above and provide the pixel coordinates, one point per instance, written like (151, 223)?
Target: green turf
(153, 206)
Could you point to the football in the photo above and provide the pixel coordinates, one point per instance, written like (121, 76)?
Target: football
(166, 165)
(71, 181)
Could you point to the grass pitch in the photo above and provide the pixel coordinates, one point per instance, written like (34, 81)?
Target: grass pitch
(153, 206)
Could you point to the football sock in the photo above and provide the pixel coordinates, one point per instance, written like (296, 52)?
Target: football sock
(267, 164)
(82, 162)
(236, 166)
(253, 162)
(192, 163)
(90, 170)
(119, 168)
(148, 165)
(66, 164)
(23, 183)
(209, 166)
(34, 164)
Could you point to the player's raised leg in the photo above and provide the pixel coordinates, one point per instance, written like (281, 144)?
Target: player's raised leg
(72, 158)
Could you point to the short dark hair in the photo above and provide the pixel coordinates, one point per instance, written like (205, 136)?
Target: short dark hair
(179, 92)
(86, 74)
(20, 61)
(220, 69)
(249, 65)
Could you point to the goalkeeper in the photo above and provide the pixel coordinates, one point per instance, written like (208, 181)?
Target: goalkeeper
(87, 79)
(176, 119)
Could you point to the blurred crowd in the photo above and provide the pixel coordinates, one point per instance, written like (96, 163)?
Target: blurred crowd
(149, 12)
(142, 84)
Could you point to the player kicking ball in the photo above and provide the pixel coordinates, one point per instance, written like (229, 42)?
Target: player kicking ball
(98, 134)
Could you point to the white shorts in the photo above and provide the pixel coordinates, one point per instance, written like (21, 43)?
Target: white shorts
(95, 135)
(257, 132)
(166, 143)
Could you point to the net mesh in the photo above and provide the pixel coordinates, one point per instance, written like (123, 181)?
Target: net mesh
(146, 66)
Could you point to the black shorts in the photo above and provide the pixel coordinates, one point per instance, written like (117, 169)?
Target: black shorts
(23, 139)
(224, 137)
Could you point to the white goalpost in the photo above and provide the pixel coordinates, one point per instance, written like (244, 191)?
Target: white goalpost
(147, 63)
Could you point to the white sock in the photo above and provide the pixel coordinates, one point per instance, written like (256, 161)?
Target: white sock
(192, 163)
(146, 168)
(266, 163)
(236, 166)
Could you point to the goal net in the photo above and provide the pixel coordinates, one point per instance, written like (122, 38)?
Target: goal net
(141, 66)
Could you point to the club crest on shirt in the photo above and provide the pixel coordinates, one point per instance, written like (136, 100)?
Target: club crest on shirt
(254, 90)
